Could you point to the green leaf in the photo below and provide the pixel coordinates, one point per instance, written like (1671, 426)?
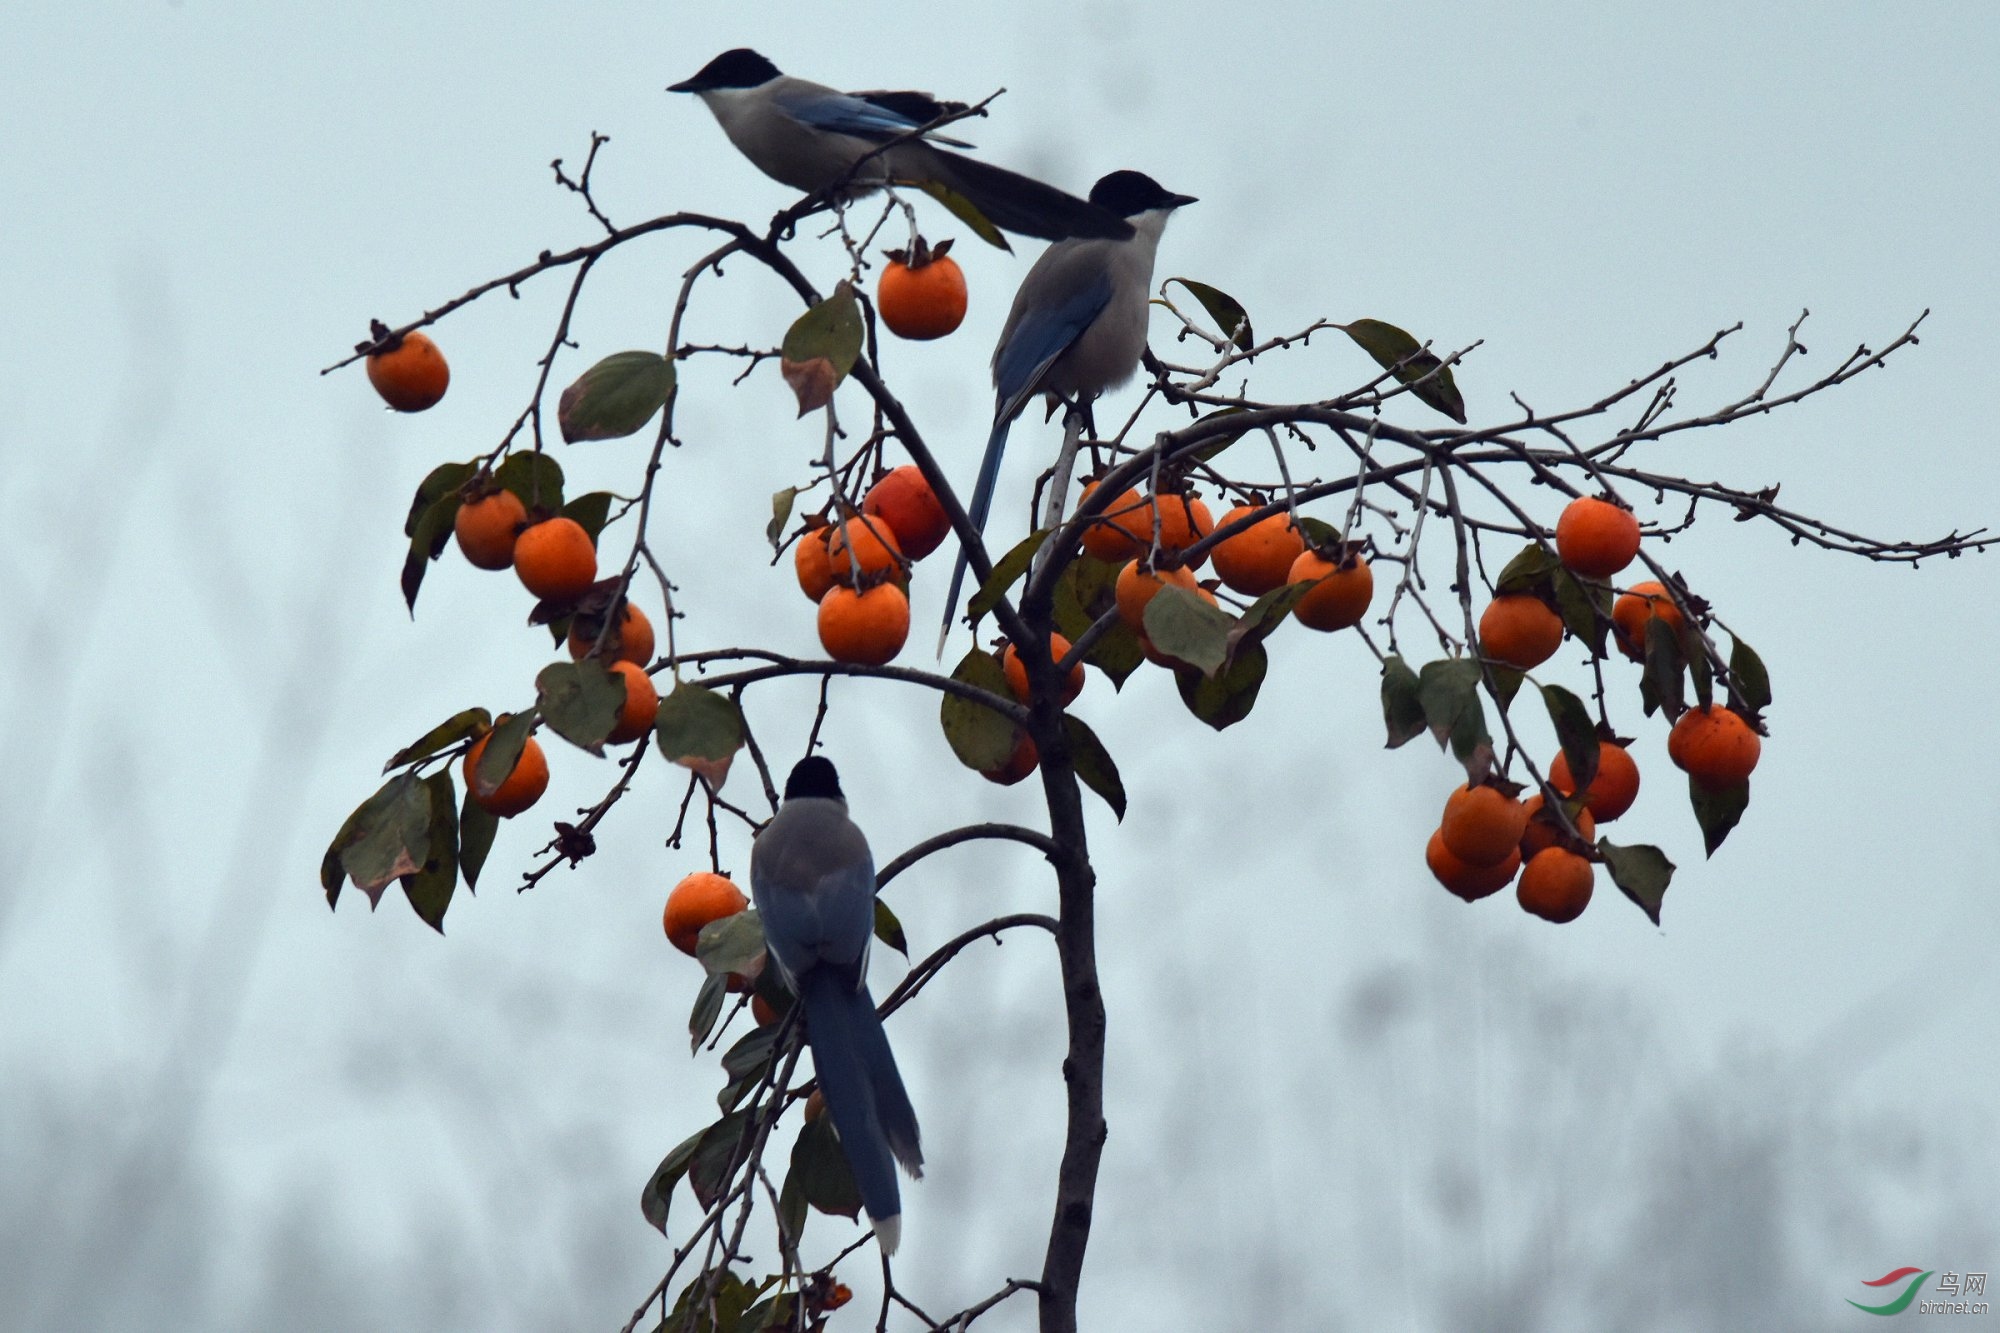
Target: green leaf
(1224, 309)
(1449, 689)
(1753, 682)
(821, 347)
(1208, 451)
(731, 944)
(1402, 703)
(1405, 358)
(457, 727)
(963, 209)
(1585, 609)
(792, 1208)
(580, 701)
(980, 736)
(535, 478)
(746, 1062)
(709, 1172)
(390, 837)
(590, 512)
(429, 890)
(1094, 764)
(889, 930)
(659, 1189)
(1268, 612)
(615, 397)
(700, 730)
(1665, 663)
(1085, 592)
(1641, 872)
(502, 752)
(1575, 731)
(1530, 571)
(781, 514)
(1718, 811)
(1186, 628)
(1225, 698)
(427, 543)
(444, 480)
(707, 1007)
(822, 1171)
(1506, 683)
(476, 827)
(1011, 567)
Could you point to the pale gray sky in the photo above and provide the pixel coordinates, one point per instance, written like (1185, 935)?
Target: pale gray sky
(1335, 1090)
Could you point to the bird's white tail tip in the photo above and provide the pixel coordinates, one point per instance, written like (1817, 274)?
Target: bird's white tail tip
(888, 1232)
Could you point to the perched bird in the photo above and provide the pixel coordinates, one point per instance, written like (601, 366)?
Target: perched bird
(1077, 329)
(813, 881)
(814, 138)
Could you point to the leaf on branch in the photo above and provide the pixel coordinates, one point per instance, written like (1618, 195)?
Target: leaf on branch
(580, 701)
(1575, 731)
(963, 209)
(781, 514)
(1224, 309)
(700, 730)
(1186, 628)
(1226, 697)
(1094, 764)
(1011, 567)
(1662, 687)
(1405, 358)
(708, 1173)
(1585, 609)
(428, 537)
(821, 1169)
(502, 752)
(1530, 571)
(429, 889)
(732, 944)
(659, 1189)
(821, 347)
(889, 930)
(1507, 683)
(444, 479)
(535, 478)
(707, 1008)
(1718, 811)
(1085, 592)
(1449, 689)
(1753, 682)
(615, 397)
(1641, 872)
(457, 727)
(386, 838)
(1402, 703)
(745, 1064)
(981, 737)
(1263, 616)
(590, 512)
(476, 827)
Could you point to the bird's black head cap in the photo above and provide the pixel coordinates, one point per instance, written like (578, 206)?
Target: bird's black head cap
(1130, 193)
(741, 68)
(814, 776)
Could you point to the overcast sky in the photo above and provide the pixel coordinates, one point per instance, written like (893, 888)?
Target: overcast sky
(1339, 1097)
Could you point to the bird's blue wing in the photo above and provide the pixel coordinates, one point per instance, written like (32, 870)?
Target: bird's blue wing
(840, 113)
(1038, 336)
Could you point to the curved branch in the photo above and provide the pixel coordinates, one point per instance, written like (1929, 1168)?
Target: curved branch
(1041, 842)
(934, 962)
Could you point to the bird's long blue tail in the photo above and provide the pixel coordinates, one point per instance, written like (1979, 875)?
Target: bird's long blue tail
(982, 505)
(864, 1095)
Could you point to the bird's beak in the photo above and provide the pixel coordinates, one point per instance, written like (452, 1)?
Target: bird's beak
(1183, 200)
(685, 86)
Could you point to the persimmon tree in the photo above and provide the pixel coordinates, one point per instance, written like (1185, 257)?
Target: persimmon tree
(1376, 509)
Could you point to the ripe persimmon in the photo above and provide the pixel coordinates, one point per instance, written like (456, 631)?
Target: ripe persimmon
(1555, 885)
(906, 502)
(864, 551)
(1017, 670)
(1641, 603)
(487, 527)
(1021, 761)
(1465, 879)
(1714, 746)
(1611, 792)
(522, 787)
(1137, 587)
(812, 563)
(1543, 830)
(1482, 825)
(641, 707)
(1341, 598)
(1596, 538)
(697, 900)
(1123, 531)
(1259, 558)
(762, 1011)
(1183, 521)
(867, 626)
(1520, 630)
(632, 641)
(555, 559)
(409, 373)
(921, 294)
